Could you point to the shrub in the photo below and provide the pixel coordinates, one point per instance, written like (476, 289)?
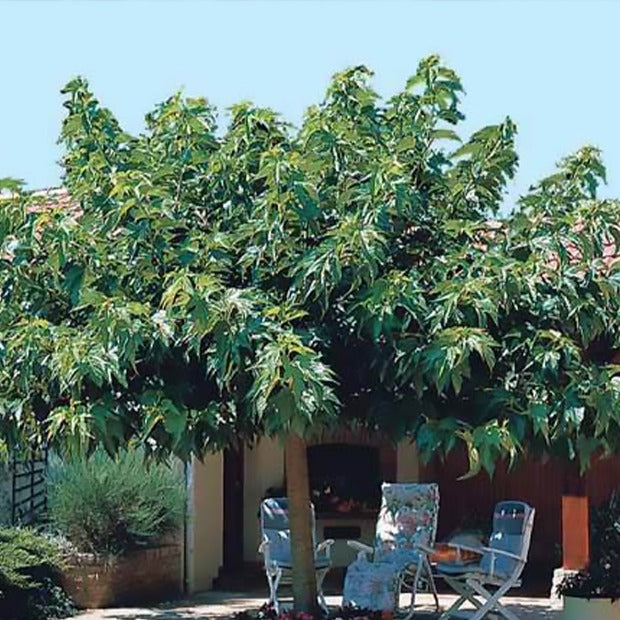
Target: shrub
(110, 506)
(602, 577)
(30, 577)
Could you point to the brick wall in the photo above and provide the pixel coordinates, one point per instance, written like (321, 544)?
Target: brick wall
(143, 576)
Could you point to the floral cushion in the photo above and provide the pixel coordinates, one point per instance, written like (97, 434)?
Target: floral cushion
(373, 585)
(408, 517)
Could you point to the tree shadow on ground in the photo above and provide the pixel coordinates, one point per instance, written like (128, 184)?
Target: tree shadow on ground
(211, 606)
(523, 612)
(158, 614)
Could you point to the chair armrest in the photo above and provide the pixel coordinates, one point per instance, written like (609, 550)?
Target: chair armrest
(325, 547)
(514, 556)
(362, 549)
(425, 549)
(263, 549)
(459, 547)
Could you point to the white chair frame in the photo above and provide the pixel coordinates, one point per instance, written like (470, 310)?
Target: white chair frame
(278, 575)
(414, 578)
(417, 577)
(470, 586)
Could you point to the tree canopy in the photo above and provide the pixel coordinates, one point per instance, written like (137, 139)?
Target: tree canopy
(207, 285)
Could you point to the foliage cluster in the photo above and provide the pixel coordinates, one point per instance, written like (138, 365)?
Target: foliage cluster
(109, 506)
(30, 577)
(209, 286)
(212, 287)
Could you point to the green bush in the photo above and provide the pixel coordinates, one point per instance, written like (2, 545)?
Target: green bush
(108, 506)
(30, 577)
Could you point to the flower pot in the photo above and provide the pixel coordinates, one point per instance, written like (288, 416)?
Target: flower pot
(591, 609)
(145, 575)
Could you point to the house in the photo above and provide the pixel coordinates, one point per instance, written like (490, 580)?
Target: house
(225, 491)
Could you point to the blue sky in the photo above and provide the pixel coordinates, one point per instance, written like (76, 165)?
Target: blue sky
(551, 66)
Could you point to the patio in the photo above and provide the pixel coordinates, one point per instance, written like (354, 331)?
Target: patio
(220, 604)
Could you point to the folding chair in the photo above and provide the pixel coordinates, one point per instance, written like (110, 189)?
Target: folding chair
(500, 567)
(406, 526)
(276, 549)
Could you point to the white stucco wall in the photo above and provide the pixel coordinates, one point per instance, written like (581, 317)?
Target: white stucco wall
(263, 468)
(205, 522)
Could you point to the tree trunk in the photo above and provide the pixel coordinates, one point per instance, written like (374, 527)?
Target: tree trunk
(298, 490)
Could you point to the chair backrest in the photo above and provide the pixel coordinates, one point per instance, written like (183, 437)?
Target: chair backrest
(276, 528)
(408, 516)
(513, 522)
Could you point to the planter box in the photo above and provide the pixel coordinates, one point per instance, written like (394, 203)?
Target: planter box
(590, 609)
(145, 575)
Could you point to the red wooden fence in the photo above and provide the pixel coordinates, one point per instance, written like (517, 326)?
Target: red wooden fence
(541, 484)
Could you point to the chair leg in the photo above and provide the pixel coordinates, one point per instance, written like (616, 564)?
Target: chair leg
(465, 594)
(404, 585)
(453, 608)
(423, 572)
(491, 601)
(273, 579)
(320, 577)
(431, 583)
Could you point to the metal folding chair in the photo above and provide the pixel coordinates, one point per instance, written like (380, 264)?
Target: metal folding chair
(276, 549)
(484, 583)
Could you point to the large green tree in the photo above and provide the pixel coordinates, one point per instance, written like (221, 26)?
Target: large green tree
(206, 287)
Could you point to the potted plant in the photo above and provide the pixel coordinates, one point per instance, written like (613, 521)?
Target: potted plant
(123, 518)
(594, 593)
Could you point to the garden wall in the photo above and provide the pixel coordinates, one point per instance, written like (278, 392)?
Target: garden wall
(142, 576)
(540, 483)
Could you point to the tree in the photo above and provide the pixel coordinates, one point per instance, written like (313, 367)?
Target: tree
(210, 288)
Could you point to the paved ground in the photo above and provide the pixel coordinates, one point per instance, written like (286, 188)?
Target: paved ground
(218, 604)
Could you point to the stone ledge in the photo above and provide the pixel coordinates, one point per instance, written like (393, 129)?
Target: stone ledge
(558, 576)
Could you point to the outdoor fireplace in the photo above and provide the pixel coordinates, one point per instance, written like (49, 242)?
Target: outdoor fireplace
(345, 478)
